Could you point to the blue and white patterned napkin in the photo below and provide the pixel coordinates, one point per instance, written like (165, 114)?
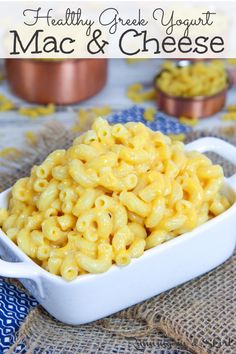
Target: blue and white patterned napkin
(162, 122)
(14, 303)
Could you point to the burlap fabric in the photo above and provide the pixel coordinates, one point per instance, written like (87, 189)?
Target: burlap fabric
(197, 317)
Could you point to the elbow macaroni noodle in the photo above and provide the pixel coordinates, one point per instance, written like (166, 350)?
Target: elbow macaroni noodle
(198, 79)
(118, 191)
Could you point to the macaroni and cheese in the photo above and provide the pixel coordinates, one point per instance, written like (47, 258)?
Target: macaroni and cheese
(116, 192)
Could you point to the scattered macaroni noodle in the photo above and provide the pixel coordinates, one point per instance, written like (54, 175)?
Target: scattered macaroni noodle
(31, 137)
(149, 114)
(116, 192)
(134, 60)
(137, 94)
(197, 79)
(192, 122)
(177, 137)
(85, 118)
(5, 104)
(38, 111)
(10, 153)
(231, 108)
(229, 116)
(231, 113)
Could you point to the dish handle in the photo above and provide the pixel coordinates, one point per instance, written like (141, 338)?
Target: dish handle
(220, 147)
(21, 270)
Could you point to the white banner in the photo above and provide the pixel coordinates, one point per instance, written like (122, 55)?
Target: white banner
(100, 29)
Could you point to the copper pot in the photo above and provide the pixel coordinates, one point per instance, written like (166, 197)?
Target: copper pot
(60, 82)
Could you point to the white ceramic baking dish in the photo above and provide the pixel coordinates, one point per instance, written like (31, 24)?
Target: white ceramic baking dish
(91, 297)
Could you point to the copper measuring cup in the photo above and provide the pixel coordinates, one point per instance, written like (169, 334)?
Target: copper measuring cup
(192, 107)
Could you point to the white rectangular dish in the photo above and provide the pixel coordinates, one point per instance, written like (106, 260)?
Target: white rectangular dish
(91, 297)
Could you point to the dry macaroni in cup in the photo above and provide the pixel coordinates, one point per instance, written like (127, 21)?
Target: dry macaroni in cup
(197, 79)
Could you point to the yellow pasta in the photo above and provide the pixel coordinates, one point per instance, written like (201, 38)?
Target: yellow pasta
(149, 114)
(31, 137)
(5, 103)
(192, 122)
(10, 153)
(198, 79)
(177, 137)
(3, 215)
(136, 93)
(231, 115)
(231, 108)
(118, 191)
(38, 111)
(85, 118)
